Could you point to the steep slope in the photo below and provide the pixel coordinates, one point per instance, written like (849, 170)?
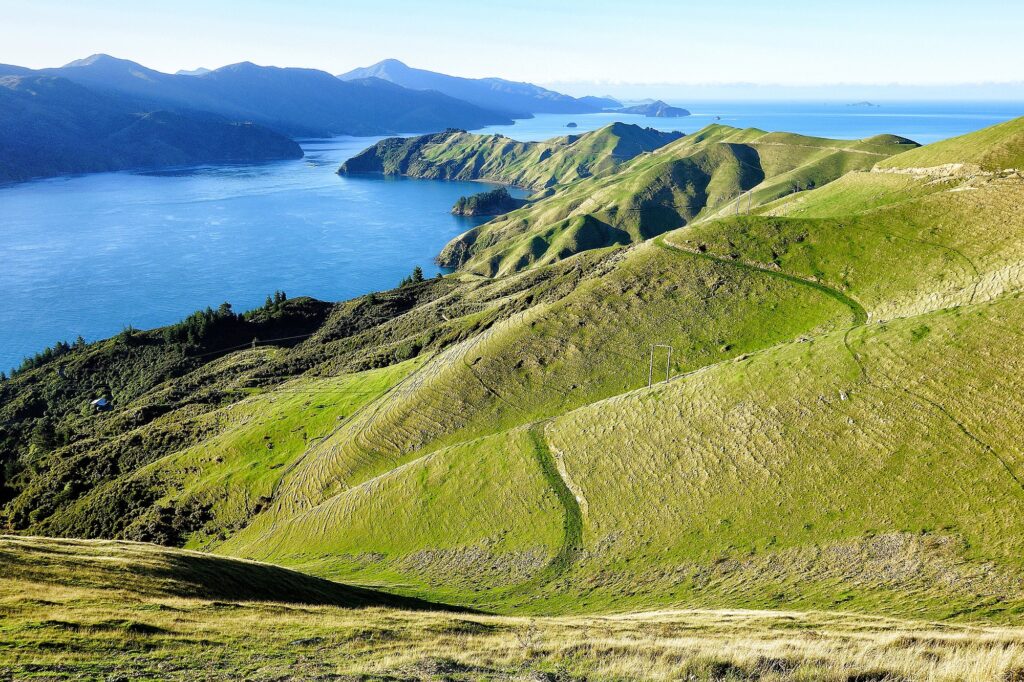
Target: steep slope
(713, 172)
(51, 126)
(458, 155)
(518, 100)
(297, 102)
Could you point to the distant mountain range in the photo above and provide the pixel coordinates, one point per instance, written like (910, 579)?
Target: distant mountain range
(102, 113)
(518, 100)
(51, 126)
(296, 102)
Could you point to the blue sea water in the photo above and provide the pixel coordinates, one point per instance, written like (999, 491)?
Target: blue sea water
(91, 254)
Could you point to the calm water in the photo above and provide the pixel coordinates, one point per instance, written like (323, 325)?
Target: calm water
(88, 255)
(921, 122)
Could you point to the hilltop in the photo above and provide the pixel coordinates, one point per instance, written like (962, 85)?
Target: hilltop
(140, 570)
(458, 155)
(994, 149)
(834, 433)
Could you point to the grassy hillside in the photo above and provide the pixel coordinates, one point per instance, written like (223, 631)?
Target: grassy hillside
(997, 148)
(715, 172)
(458, 155)
(839, 431)
(860, 257)
(90, 610)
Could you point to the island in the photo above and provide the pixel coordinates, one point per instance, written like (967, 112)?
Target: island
(495, 202)
(656, 109)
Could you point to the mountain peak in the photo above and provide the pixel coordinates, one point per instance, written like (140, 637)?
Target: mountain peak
(100, 59)
(391, 62)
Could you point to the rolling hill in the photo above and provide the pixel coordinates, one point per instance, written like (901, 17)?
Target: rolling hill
(711, 173)
(518, 100)
(835, 429)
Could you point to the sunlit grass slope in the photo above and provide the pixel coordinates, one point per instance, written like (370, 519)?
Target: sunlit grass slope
(877, 469)
(717, 171)
(999, 147)
(589, 345)
(207, 490)
(801, 436)
(475, 515)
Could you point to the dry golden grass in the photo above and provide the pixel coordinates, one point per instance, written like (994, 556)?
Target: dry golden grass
(49, 632)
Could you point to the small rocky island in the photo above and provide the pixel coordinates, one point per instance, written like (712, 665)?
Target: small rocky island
(572, 124)
(656, 109)
(495, 202)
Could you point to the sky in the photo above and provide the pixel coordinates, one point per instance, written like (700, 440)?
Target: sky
(592, 45)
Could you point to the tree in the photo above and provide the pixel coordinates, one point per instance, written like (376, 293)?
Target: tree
(43, 436)
(415, 278)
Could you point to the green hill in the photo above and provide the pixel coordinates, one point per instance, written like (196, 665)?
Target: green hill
(715, 172)
(997, 148)
(458, 155)
(839, 431)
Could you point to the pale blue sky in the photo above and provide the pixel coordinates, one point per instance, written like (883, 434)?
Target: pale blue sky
(592, 41)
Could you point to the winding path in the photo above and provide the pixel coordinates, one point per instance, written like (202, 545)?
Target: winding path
(562, 486)
(860, 316)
